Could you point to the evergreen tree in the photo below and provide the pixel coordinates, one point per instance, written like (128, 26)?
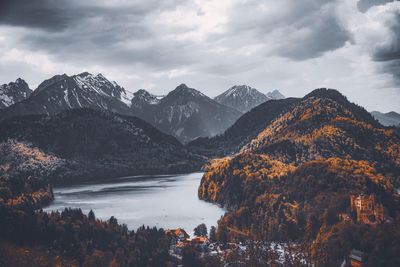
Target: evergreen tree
(91, 216)
(201, 230)
(213, 234)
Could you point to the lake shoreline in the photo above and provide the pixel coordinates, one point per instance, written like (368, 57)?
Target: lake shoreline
(166, 201)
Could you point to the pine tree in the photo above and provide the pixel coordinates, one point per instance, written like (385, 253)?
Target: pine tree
(213, 234)
(91, 216)
(200, 230)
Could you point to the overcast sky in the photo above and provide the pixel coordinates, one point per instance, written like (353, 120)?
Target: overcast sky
(292, 46)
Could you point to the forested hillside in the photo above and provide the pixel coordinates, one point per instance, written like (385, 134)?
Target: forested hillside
(293, 182)
(91, 144)
(243, 130)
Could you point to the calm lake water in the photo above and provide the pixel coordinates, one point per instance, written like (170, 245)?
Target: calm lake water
(167, 201)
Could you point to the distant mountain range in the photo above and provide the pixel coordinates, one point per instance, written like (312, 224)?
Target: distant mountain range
(13, 92)
(244, 98)
(243, 130)
(63, 92)
(185, 112)
(388, 119)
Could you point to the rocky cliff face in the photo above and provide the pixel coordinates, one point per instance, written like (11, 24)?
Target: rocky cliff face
(13, 92)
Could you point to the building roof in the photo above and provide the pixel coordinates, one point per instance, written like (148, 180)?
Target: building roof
(356, 255)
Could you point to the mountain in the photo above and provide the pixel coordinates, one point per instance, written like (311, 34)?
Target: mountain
(144, 105)
(244, 98)
(186, 113)
(275, 95)
(388, 119)
(295, 179)
(63, 92)
(142, 98)
(87, 144)
(241, 97)
(13, 92)
(243, 130)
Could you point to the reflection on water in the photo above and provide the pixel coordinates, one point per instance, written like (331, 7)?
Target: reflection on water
(167, 201)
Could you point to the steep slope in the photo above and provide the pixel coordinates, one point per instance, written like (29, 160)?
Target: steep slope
(243, 130)
(13, 92)
(94, 144)
(144, 105)
(295, 178)
(244, 97)
(142, 98)
(63, 92)
(186, 113)
(388, 119)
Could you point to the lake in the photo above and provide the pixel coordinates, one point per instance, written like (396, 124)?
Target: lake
(167, 201)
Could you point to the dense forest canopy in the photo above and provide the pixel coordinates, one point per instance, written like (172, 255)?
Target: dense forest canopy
(294, 179)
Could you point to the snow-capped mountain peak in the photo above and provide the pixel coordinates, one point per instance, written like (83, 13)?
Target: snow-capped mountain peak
(13, 92)
(184, 90)
(241, 97)
(244, 97)
(83, 90)
(143, 98)
(102, 86)
(275, 95)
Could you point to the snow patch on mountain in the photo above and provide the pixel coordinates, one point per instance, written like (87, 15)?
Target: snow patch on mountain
(14, 92)
(244, 97)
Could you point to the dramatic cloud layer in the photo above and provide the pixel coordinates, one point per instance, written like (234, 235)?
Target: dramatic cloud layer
(293, 46)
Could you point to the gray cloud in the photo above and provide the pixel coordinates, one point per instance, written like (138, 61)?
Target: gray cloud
(389, 53)
(82, 32)
(323, 34)
(364, 5)
(300, 29)
(125, 33)
(44, 14)
(210, 45)
(53, 15)
(391, 50)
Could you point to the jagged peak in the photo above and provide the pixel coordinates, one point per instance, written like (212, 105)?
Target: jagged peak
(84, 74)
(183, 89)
(182, 86)
(142, 96)
(52, 80)
(141, 92)
(101, 76)
(275, 94)
(20, 81)
(242, 89)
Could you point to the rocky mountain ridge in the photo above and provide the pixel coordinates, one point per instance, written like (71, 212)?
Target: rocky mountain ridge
(388, 119)
(244, 97)
(13, 92)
